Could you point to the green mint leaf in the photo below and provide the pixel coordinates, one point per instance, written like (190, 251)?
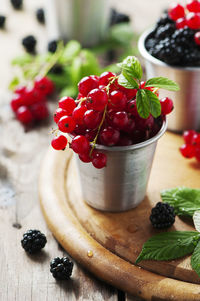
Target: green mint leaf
(71, 50)
(195, 259)
(14, 83)
(127, 81)
(169, 245)
(184, 200)
(143, 105)
(155, 106)
(196, 220)
(132, 65)
(162, 83)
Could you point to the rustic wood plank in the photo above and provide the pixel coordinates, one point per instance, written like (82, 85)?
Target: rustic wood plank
(132, 298)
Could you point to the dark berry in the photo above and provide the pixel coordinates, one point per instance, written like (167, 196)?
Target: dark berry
(197, 38)
(33, 241)
(40, 15)
(56, 69)
(99, 160)
(40, 110)
(165, 31)
(17, 4)
(52, 46)
(109, 136)
(29, 43)
(59, 143)
(117, 18)
(162, 216)
(2, 21)
(61, 268)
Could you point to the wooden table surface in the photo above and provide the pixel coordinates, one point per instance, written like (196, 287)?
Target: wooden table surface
(22, 277)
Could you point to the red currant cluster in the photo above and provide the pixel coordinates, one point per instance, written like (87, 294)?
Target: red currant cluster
(187, 16)
(104, 113)
(29, 104)
(191, 148)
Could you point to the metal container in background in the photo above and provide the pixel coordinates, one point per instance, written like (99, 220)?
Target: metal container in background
(121, 185)
(186, 113)
(83, 20)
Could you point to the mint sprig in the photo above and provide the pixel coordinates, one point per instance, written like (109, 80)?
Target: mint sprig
(147, 102)
(195, 259)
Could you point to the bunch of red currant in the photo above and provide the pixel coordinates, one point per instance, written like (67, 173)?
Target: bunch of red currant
(191, 148)
(104, 113)
(30, 104)
(187, 16)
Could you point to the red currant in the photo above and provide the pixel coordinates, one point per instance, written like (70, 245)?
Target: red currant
(92, 119)
(124, 141)
(90, 134)
(20, 90)
(120, 120)
(58, 114)
(80, 129)
(187, 150)
(193, 6)
(97, 100)
(24, 115)
(193, 20)
(87, 84)
(59, 143)
(130, 126)
(33, 96)
(40, 111)
(85, 157)
(196, 139)
(66, 124)
(44, 85)
(16, 102)
(68, 104)
(105, 78)
(78, 114)
(132, 107)
(197, 153)
(188, 136)
(144, 124)
(197, 38)
(180, 23)
(166, 105)
(109, 136)
(80, 144)
(117, 101)
(176, 11)
(99, 160)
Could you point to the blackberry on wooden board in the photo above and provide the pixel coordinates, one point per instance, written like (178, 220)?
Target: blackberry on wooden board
(33, 241)
(61, 268)
(162, 216)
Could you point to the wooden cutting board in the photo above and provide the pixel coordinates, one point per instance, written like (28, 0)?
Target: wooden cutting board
(108, 243)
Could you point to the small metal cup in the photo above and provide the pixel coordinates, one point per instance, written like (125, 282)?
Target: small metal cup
(121, 185)
(186, 113)
(83, 20)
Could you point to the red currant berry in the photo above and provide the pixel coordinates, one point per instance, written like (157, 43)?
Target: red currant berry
(97, 100)
(33, 96)
(193, 20)
(197, 38)
(144, 124)
(44, 85)
(124, 140)
(117, 101)
(68, 104)
(24, 115)
(90, 134)
(40, 111)
(85, 157)
(20, 90)
(180, 23)
(120, 120)
(58, 114)
(105, 78)
(176, 11)
(193, 6)
(166, 105)
(80, 129)
(16, 102)
(87, 84)
(99, 160)
(59, 143)
(188, 136)
(132, 107)
(187, 150)
(109, 136)
(197, 153)
(131, 93)
(80, 144)
(196, 139)
(92, 119)
(138, 136)
(130, 126)
(78, 114)
(66, 124)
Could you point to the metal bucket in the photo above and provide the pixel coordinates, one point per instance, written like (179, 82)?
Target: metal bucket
(186, 113)
(83, 20)
(121, 185)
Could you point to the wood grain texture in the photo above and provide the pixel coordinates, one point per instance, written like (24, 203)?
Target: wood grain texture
(77, 241)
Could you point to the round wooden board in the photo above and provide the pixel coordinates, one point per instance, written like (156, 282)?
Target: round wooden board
(115, 239)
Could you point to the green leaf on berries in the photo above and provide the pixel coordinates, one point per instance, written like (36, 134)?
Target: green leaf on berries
(142, 102)
(184, 200)
(127, 81)
(132, 65)
(14, 83)
(155, 106)
(162, 83)
(169, 245)
(195, 259)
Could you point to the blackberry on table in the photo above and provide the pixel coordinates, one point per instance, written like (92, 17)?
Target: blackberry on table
(162, 216)
(33, 241)
(17, 4)
(29, 43)
(2, 21)
(61, 268)
(117, 18)
(52, 46)
(40, 15)
(165, 31)
(184, 36)
(165, 19)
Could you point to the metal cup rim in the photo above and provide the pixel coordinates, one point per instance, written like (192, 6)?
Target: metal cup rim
(134, 146)
(149, 57)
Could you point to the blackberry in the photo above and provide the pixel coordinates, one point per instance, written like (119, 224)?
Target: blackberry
(165, 31)
(2, 21)
(17, 4)
(184, 36)
(40, 15)
(56, 69)
(33, 241)
(162, 216)
(165, 19)
(61, 268)
(52, 46)
(117, 18)
(29, 43)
